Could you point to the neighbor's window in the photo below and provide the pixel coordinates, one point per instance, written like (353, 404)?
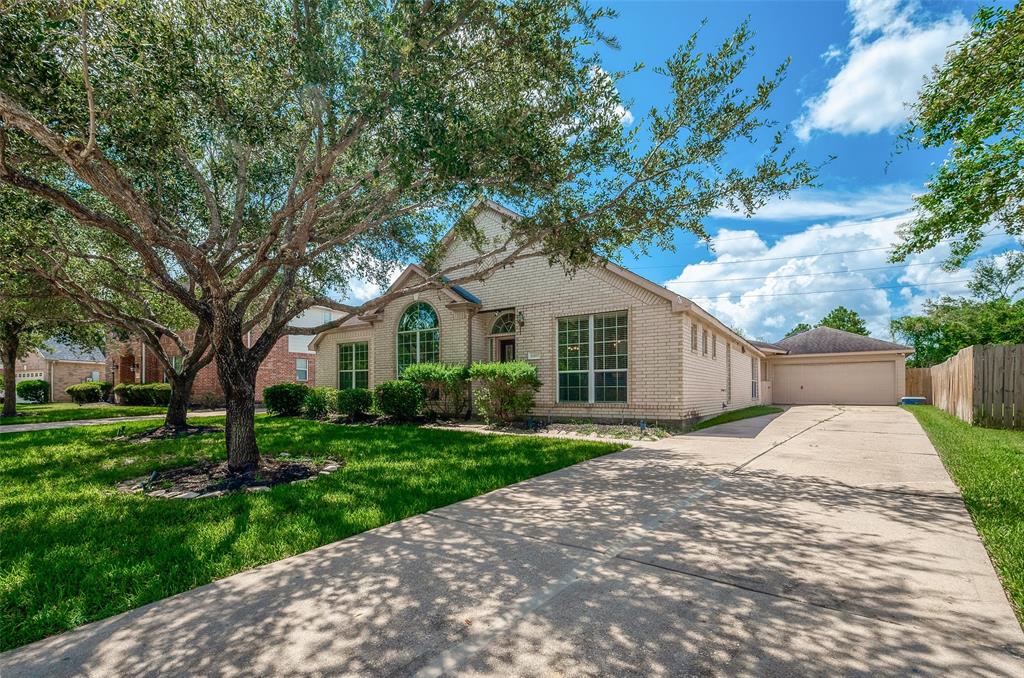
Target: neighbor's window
(354, 365)
(301, 369)
(714, 345)
(176, 361)
(704, 342)
(326, 317)
(593, 355)
(753, 377)
(419, 338)
(693, 338)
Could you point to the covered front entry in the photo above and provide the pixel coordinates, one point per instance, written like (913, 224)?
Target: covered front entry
(849, 382)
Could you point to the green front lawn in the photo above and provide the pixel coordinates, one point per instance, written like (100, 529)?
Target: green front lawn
(34, 414)
(736, 415)
(75, 550)
(988, 466)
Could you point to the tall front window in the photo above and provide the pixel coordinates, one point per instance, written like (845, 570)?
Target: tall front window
(354, 365)
(753, 377)
(593, 358)
(419, 338)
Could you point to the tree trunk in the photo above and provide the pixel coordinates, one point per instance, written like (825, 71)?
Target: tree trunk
(237, 373)
(10, 349)
(181, 395)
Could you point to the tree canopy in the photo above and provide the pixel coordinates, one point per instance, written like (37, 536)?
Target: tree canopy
(974, 103)
(840, 318)
(948, 324)
(798, 328)
(256, 157)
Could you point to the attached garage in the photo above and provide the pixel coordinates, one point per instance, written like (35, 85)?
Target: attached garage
(825, 366)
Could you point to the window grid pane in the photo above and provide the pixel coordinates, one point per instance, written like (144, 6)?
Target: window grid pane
(353, 365)
(605, 368)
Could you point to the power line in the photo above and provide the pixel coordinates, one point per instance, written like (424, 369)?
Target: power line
(810, 274)
(794, 232)
(751, 261)
(849, 289)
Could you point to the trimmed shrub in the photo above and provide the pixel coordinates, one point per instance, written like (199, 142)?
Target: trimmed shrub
(399, 399)
(319, 402)
(209, 401)
(285, 400)
(143, 394)
(506, 389)
(33, 390)
(446, 386)
(86, 392)
(354, 403)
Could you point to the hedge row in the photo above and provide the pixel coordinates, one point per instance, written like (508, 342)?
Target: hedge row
(89, 392)
(143, 394)
(505, 393)
(33, 390)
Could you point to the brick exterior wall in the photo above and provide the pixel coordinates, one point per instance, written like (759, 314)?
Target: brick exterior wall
(665, 381)
(277, 368)
(59, 373)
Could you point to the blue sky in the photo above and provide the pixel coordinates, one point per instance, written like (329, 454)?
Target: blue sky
(853, 67)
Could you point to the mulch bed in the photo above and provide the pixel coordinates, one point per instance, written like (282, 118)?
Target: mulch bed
(165, 433)
(213, 479)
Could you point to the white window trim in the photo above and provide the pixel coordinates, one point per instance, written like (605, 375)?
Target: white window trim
(354, 370)
(398, 369)
(305, 369)
(755, 376)
(590, 371)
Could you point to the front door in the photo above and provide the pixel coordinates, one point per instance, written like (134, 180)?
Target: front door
(506, 350)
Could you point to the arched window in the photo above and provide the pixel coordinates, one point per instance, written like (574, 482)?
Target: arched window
(504, 324)
(419, 337)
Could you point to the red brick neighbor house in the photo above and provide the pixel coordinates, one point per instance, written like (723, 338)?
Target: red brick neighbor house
(291, 360)
(61, 366)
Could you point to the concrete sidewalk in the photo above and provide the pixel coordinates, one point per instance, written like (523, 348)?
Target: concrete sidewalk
(830, 542)
(47, 425)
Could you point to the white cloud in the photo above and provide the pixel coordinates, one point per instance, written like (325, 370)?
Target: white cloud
(890, 53)
(361, 290)
(833, 52)
(831, 204)
(774, 299)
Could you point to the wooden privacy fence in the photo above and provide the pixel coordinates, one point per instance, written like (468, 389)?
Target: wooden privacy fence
(982, 384)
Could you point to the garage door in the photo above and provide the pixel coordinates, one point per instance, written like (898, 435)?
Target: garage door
(853, 383)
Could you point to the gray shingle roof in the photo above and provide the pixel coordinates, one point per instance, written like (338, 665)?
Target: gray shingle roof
(829, 340)
(766, 344)
(54, 350)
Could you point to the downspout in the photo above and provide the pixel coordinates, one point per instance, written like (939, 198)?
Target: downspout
(469, 356)
(143, 377)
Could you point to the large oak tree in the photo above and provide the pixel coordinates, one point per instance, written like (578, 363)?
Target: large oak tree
(257, 156)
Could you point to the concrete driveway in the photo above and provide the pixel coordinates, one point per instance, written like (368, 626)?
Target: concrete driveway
(823, 541)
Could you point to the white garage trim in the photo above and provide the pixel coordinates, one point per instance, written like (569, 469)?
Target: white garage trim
(863, 378)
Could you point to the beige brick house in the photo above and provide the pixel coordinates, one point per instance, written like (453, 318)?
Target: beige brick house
(607, 343)
(61, 366)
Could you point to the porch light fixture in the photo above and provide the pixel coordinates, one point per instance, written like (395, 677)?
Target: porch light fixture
(520, 319)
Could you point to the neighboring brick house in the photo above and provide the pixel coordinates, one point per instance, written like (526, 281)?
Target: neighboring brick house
(61, 366)
(607, 343)
(291, 360)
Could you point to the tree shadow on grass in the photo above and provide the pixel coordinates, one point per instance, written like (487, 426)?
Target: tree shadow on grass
(641, 563)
